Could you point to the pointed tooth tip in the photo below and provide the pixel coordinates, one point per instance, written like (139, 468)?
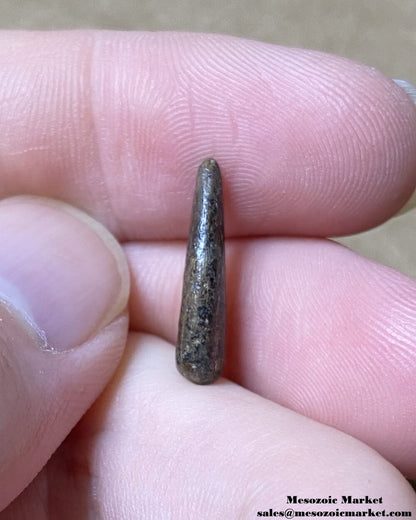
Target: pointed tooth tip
(209, 163)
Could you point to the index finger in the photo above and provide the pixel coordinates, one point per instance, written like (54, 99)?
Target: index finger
(116, 123)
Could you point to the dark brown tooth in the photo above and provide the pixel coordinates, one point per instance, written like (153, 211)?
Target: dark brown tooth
(201, 336)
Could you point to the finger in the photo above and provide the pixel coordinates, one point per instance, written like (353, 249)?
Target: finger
(63, 292)
(310, 325)
(117, 123)
(172, 446)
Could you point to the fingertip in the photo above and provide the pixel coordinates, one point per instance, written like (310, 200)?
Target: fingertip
(63, 295)
(77, 280)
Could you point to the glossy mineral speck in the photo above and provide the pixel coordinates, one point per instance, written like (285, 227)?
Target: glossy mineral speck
(201, 336)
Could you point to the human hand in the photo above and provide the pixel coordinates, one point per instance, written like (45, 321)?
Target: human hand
(310, 146)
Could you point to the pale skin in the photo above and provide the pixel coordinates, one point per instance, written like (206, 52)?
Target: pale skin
(317, 397)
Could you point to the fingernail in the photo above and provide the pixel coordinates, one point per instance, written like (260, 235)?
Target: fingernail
(408, 88)
(61, 271)
(411, 92)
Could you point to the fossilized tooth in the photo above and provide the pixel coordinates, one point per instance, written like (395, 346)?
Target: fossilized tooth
(201, 336)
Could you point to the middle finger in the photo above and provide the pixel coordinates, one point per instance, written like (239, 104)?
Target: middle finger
(311, 325)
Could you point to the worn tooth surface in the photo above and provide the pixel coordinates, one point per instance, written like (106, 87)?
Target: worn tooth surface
(201, 336)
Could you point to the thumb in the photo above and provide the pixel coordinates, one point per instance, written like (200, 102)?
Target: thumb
(63, 292)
